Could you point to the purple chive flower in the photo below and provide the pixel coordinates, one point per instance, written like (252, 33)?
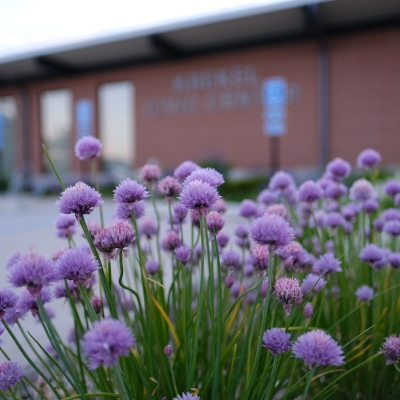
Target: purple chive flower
(333, 220)
(222, 239)
(231, 259)
(169, 187)
(32, 271)
(195, 218)
(391, 349)
(371, 206)
(79, 199)
(148, 227)
(309, 281)
(88, 148)
(277, 341)
(391, 214)
(76, 265)
(392, 188)
(13, 259)
(180, 212)
(130, 192)
(238, 288)
(122, 234)
(373, 255)
(309, 191)
(60, 290)
(242, 231)
(288, 292)
(290, 195)
(108, 340)
(185, 169)
(362, 190)
(243, 242)
(104, 243)
(338, 169)
(219, 206)
(259, 257)
(26, 302)
(12, 315)
(278, 209)
(197, 195)
(368, 158)
(264, 288)
(392, 228)
(318, 348)
(150, 174)
(8, 299)
(308, 310)
(349, 211)
(214, 221)
(124, 210)
(229, 280)
(248, 270)
(267, 197)
(93, 227)
(207, 175)
(294, 255)
(187, 396)
(335, 190)
(364, 293)
(280, 181)
(65, 225)
(171, 241)
(248, 209)
(326, 264)
(378, 224)
(152, 267)
(394, 260)
(272, 230)
(97, 304)
(182, 254)
(10, 374)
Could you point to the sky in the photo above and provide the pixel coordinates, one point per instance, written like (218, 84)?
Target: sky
(28, 25)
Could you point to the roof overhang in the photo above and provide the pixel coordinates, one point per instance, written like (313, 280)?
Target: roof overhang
(291, 19)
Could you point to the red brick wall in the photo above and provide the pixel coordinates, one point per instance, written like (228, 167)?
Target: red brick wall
(365, 94)
(364, 104)
(236, 135)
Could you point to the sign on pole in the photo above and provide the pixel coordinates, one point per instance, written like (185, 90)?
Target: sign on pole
(274, 101)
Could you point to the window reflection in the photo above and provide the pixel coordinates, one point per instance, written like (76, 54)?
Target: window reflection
(8, 115)
(56, 125)
(116, 108)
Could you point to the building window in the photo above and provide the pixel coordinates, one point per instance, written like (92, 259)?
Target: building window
(8, 117)
(56, 127)
(116, 125)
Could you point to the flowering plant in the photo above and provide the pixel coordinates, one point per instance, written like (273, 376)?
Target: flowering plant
(301, 305)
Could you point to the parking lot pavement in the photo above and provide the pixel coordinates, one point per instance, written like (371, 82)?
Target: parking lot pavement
(27, 222)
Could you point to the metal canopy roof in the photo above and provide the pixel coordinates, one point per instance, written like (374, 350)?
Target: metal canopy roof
(287, 20)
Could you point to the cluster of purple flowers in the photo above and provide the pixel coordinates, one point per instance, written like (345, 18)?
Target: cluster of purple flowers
(265, 237)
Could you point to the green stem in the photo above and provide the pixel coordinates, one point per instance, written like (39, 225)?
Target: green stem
(271, 383)
(220, 323)
(30, 360)
(308, 384)
(199, 315)
(96, 184)
(98, 394)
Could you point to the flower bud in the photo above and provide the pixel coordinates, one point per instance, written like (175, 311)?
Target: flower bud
(168, 350)
(229, 280)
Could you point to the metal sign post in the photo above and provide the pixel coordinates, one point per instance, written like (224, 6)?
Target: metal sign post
(274, 100)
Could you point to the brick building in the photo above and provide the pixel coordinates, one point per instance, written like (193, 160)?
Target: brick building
(293, 84)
